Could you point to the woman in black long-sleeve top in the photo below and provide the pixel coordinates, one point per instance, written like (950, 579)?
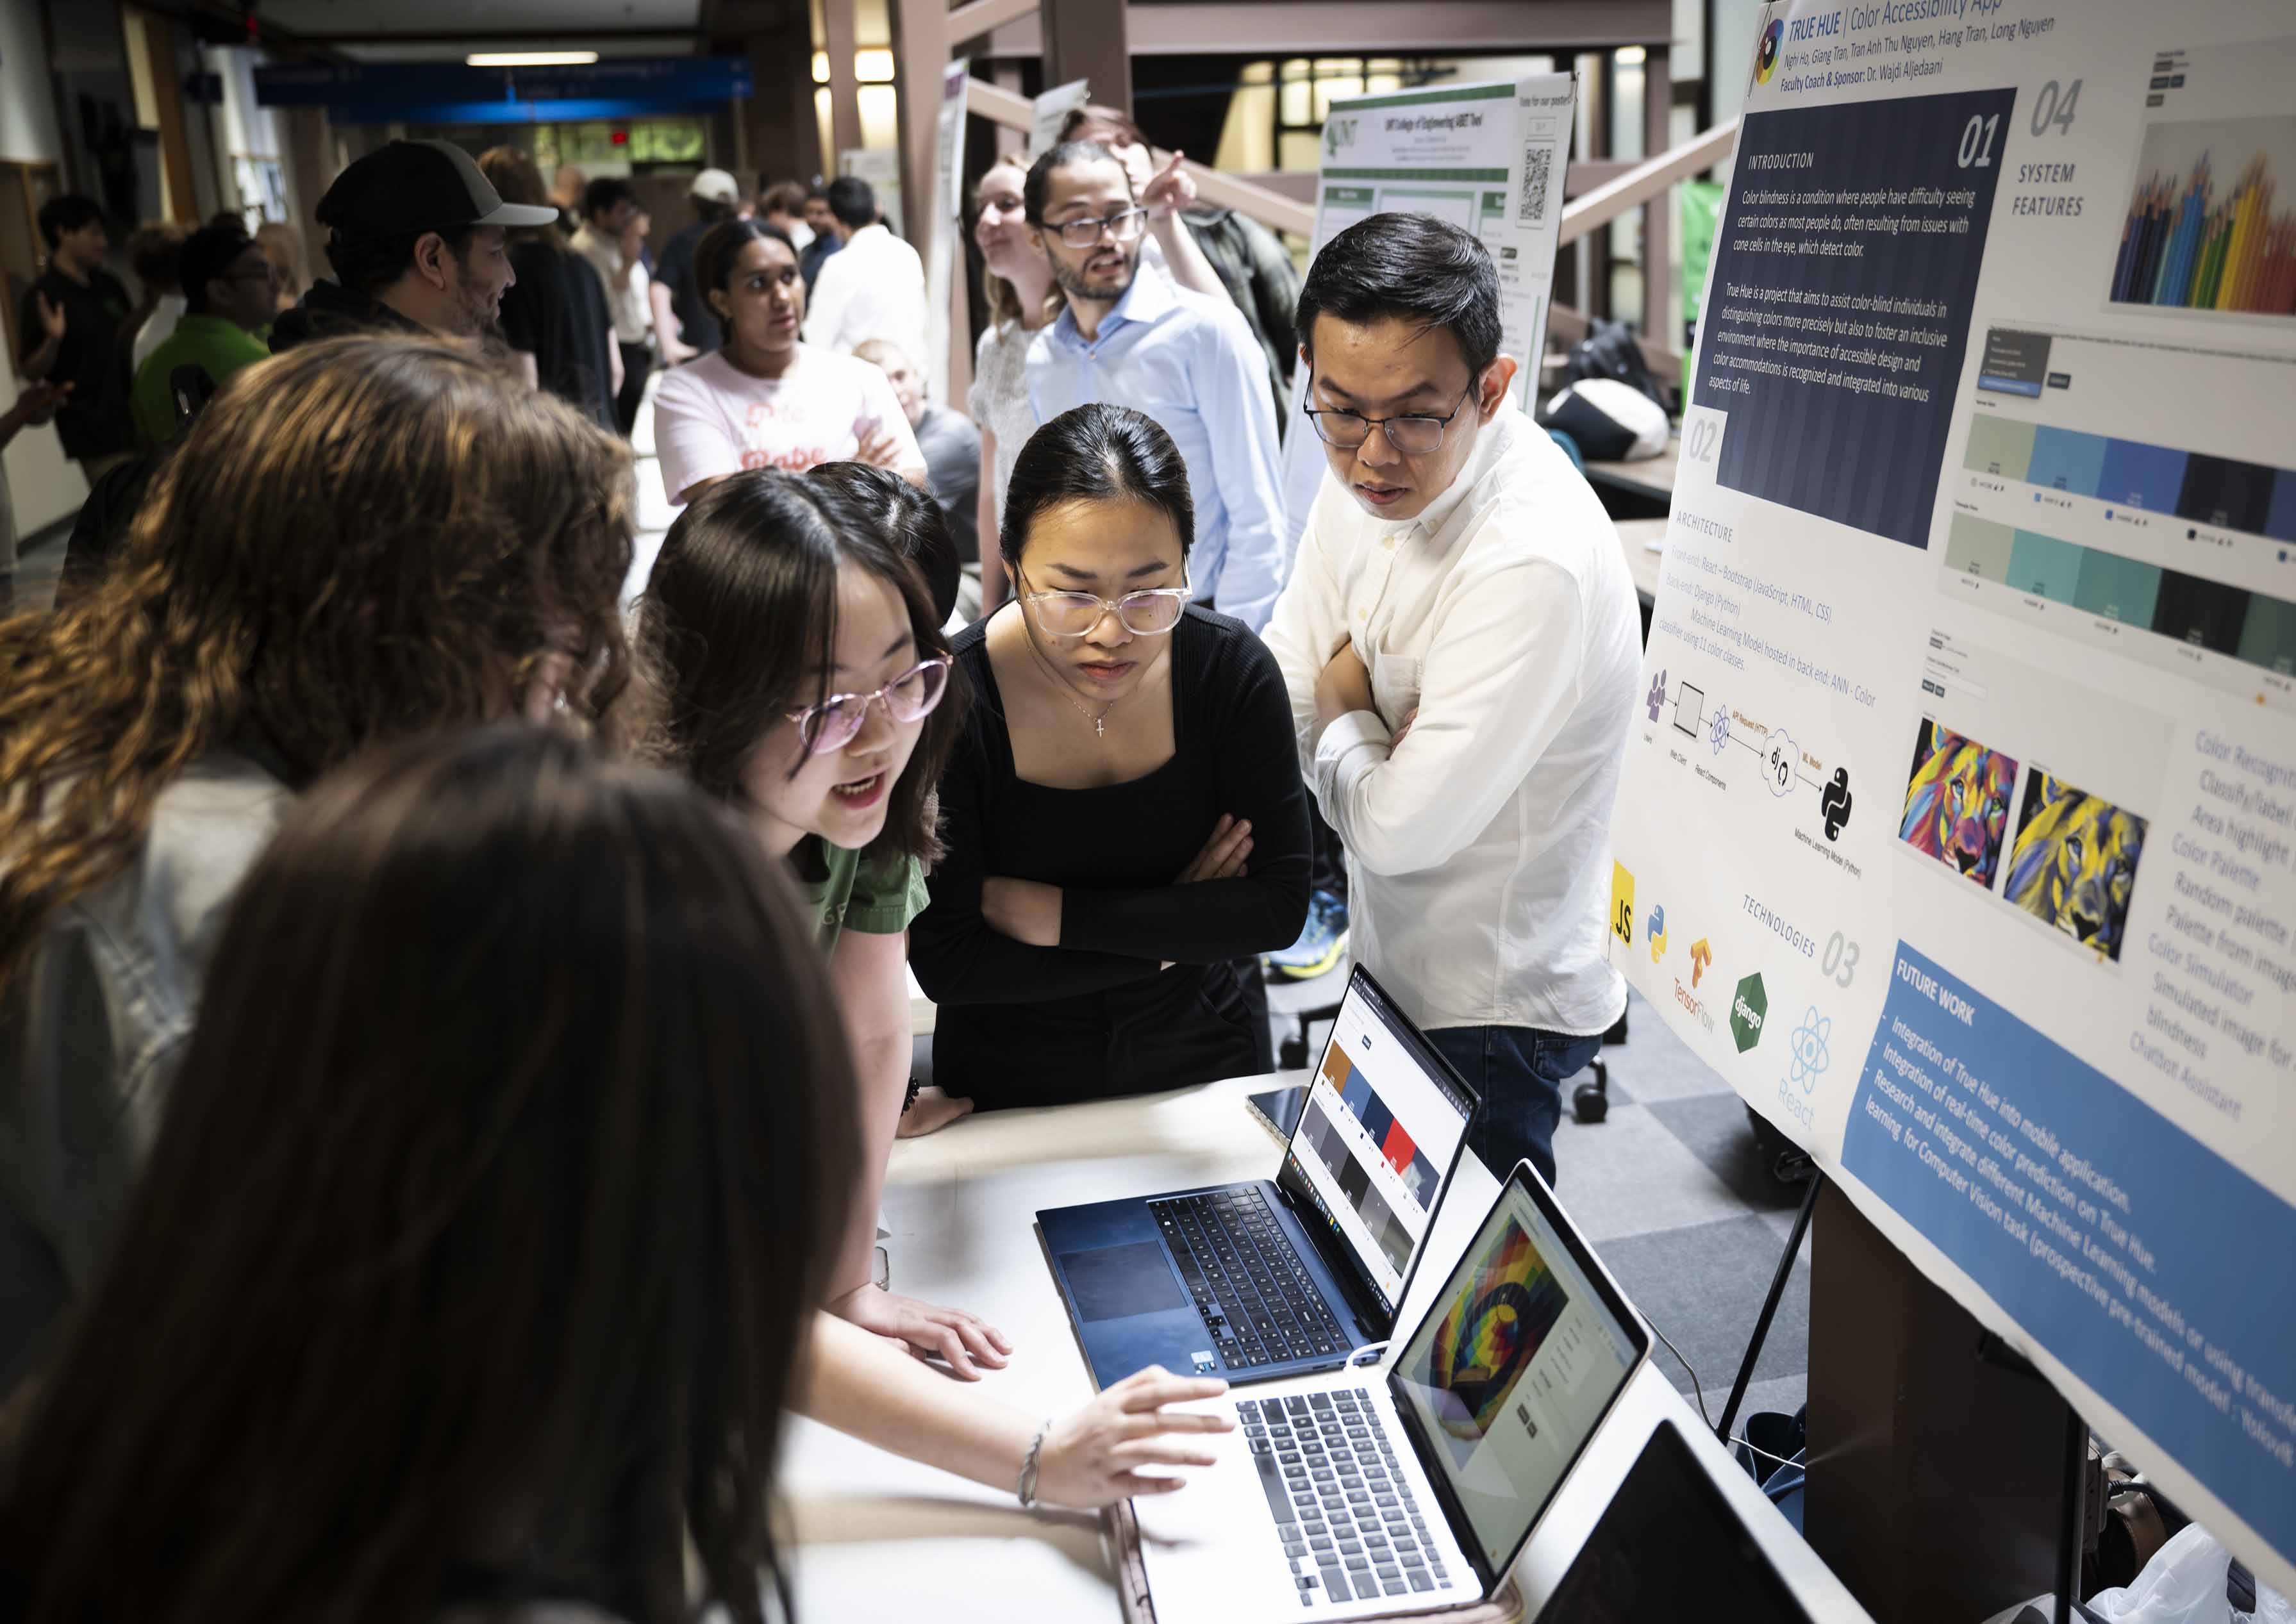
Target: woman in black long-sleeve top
(1123, 813)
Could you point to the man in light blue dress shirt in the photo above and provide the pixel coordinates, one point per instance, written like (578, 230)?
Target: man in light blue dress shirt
(1130, 338)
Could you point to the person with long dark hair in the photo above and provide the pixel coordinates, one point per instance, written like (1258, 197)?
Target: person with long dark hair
(1123, 811)
(360, 540)
(554, 315)
(763, 399)
(480, 1283)
(794, 668)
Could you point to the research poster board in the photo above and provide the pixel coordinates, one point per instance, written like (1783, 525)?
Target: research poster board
(1050, 111)
(1956, 821)
(1489, 159)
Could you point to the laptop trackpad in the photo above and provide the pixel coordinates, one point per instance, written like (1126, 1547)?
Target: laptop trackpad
(1113, 1282)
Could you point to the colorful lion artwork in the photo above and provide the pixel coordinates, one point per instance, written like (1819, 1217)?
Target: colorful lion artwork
(1494, 1327)
(1958, 802)
(2074, 862)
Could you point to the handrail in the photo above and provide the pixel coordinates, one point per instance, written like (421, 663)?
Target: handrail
(1271, 209)
(982, 16)
(1646, 180)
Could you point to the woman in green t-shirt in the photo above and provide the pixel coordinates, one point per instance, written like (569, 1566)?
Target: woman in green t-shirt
(795, 668)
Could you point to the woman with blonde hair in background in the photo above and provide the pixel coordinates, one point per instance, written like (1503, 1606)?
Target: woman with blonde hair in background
(1018, 285)
(362, 538)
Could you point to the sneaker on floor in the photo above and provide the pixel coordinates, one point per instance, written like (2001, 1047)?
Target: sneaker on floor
(1321, 945)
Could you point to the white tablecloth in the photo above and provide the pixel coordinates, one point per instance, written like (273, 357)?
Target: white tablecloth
(880, 1538)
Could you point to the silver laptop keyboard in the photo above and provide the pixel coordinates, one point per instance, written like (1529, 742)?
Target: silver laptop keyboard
(1349, 1525)
(1250, 1288)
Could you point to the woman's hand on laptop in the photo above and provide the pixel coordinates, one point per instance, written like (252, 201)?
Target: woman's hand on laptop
(1092, 1456)
(927, 1330)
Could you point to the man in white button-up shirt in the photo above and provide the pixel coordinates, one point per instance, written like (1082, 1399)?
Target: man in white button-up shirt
(872, 288)
(1461, 644)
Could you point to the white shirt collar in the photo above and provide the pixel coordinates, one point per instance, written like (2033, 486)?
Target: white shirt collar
(1491, 443)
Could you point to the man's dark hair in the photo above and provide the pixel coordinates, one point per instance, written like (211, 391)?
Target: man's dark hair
(816, 190)
(208, 254)
(1097, 453)
(853, 200)
(710, 211)
(604, 192)
(70, 212)
(1412, 266)
(365, 263)
(1038, 186)
(782, 197)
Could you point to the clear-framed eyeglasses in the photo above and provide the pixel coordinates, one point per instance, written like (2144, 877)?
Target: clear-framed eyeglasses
(909, 697)
(1150, 614)
(1124, 225)
(1414, 436)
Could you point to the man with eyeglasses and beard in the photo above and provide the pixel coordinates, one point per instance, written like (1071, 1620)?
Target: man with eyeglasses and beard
(1461, 644)
(1129, 338)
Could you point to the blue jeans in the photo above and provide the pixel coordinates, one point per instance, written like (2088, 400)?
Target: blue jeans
(1519, 1072)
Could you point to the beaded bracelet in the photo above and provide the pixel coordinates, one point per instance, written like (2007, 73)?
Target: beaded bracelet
(1030, 1465)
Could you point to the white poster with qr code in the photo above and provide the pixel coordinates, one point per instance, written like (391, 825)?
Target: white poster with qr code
(1488, 157)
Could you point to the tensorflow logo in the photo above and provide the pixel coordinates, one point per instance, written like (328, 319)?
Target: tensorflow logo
(1750, 1006)
(1767, 62)
(1655, 928)
(1701, 956)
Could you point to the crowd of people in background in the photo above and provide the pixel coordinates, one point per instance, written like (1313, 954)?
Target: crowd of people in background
(453, 1031)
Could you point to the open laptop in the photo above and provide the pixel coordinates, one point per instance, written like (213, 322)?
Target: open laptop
(1278, 1276)
(1364, 1493)
(1669, 1547)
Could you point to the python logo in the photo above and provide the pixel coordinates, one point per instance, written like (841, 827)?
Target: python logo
(1766, 62)
(1834, 802)
(1701, 958)
(1655, 928)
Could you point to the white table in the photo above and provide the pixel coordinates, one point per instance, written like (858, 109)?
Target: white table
(921, 1008)
(878, 1536)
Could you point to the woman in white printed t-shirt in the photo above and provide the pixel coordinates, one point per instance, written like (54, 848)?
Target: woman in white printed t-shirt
(762, 399)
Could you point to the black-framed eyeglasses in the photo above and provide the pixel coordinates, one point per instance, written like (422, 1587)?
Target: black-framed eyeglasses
(1151, 612)
(909, 697)
(1417, 435)
(1124, 225)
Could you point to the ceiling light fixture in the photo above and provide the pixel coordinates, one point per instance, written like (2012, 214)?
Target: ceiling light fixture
(530, 59)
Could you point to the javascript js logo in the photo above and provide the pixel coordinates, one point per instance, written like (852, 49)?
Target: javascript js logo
(1622, 903)
(1765, 62)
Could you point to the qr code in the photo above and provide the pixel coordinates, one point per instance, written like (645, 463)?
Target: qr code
(1536, 160)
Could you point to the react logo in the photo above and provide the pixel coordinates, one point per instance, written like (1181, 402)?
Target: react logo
(1655, 928)
(1701, 957)
(1808, 1046)
(1718, 734)
(1749, 1008)
(1656, 699)
(1622, 903)
(1766, 62)
(1834, 800)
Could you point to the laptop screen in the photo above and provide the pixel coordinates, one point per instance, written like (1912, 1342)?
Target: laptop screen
(1382, 1122)
(1668, 1545)
(1515, 1364)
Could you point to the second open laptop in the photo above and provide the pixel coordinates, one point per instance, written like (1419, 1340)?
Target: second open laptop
(1286, 1274)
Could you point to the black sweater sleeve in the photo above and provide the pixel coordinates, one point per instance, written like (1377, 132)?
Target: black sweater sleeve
(958, 957)
(1238, 710)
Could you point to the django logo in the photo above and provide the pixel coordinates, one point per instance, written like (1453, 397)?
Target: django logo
(1750, 1006)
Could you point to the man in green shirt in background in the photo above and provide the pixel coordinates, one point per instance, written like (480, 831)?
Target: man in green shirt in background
(230, 291)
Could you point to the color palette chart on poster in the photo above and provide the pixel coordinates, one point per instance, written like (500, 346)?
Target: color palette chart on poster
(1958, 827)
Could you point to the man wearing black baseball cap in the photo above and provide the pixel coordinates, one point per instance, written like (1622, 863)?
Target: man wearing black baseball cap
(416, 237)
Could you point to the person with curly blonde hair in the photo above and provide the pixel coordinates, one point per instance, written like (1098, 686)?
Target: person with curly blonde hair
(365, 539)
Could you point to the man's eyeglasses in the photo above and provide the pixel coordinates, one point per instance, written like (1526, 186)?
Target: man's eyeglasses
(1414, 436)
(1123, 226)
(1074, 614)
(909, 697)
